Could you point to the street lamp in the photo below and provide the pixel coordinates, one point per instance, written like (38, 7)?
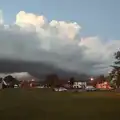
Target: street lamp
(91, 79)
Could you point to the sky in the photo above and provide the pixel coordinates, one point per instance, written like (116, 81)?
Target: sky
(97, 17)
(76, 33)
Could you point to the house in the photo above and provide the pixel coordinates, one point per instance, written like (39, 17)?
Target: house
(79, 84)
(103, 85)
(24, 84)
(28, 84)
(7, 84)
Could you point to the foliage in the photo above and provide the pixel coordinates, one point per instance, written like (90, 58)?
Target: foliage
(52, 80)
(115, 74)
(11, 80)
(72, 80)
(102, 78)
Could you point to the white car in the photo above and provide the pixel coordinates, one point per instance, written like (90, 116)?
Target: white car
(16, 86)
(90, 88)
(60, 89)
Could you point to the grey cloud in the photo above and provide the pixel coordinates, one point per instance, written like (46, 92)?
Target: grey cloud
(56, 43)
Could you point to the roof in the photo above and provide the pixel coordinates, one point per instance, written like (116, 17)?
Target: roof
(80, 81)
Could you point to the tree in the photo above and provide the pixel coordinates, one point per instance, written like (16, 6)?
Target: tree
(11, 81)
(115, 74)
(102, 78)
(0, 80)
(8, 78)
(72, 80)
(52, 80)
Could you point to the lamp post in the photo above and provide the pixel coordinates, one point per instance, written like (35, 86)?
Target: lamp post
(91, 79)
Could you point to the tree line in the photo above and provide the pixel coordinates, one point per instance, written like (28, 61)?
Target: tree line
(114, 75)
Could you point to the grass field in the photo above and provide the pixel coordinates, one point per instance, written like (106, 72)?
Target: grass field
(41, 104)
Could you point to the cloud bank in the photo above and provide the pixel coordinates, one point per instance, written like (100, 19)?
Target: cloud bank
(16, 75)
(33, 38)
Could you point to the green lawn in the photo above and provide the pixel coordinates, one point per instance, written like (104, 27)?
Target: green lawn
(41, 104)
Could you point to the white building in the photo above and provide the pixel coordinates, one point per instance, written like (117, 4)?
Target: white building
(79, 84)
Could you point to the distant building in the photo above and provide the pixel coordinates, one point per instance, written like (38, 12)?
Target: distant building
(103, 85)
(79, 84)
(24, 84)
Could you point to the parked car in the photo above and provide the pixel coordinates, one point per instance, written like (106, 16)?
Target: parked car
(60, 89)
(90, 88)
(16, 86)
